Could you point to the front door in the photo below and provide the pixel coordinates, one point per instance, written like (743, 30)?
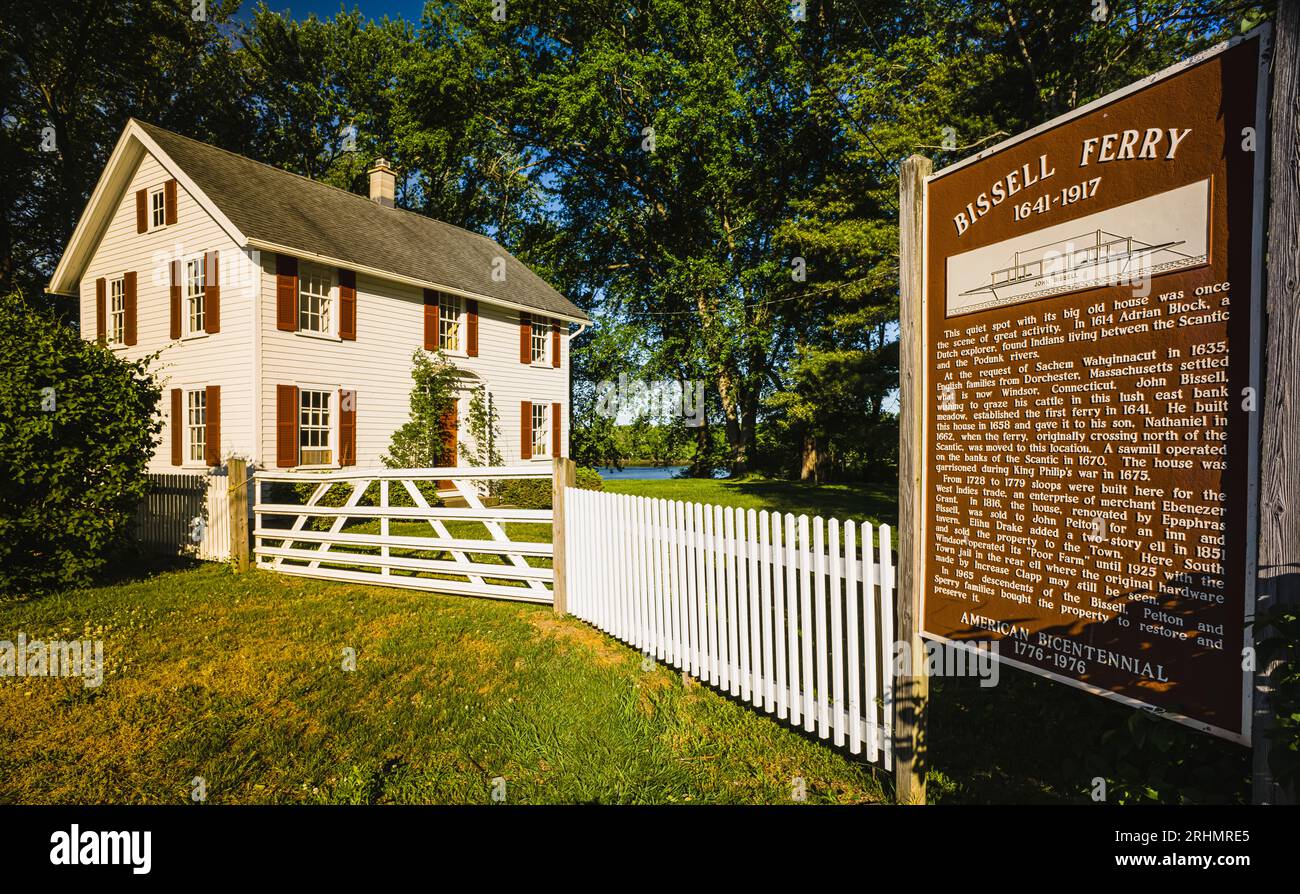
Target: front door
(450, 423)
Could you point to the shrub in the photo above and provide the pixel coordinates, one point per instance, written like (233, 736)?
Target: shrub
(589, 479)
(535, 493)
(78, 426)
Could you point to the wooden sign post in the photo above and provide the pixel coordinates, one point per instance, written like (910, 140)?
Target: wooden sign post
(1278, 581)
(912, 690)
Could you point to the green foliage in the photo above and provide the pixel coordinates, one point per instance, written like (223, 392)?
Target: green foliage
(484, 429)
(1150, 760)
(421, 442)
(78, 426)
(589, 479)
(1281, 643)
(535, 493)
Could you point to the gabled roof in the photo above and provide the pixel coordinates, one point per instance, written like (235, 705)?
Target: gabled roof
(276, 210)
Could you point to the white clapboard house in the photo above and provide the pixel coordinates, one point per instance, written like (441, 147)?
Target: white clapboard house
(286, 311)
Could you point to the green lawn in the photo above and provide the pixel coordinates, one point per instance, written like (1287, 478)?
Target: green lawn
(239, 679)
(858, 502)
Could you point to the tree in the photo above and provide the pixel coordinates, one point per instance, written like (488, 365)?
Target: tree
(78, 426)
(422, 441)
(70, 76)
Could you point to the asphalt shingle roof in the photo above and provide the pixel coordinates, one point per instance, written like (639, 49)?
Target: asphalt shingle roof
(276, 206)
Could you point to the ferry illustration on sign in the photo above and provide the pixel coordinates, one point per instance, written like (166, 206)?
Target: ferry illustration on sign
(1122, 245)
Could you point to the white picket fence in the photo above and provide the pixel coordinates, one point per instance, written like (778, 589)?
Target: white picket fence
(186, 513)
(792, 615)
(360, 546)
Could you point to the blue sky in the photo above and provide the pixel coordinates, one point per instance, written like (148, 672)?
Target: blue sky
(371, 9)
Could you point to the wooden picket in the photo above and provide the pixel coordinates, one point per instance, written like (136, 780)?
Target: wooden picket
(790, 614)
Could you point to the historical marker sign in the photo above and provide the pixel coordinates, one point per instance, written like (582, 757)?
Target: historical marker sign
(1090, 340)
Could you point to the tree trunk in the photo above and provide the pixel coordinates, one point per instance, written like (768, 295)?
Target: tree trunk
(808, 462)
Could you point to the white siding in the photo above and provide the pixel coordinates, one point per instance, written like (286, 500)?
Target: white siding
(390, 327)
(226, 358)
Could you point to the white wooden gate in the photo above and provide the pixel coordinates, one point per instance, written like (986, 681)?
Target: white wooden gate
(384, 530)
(792, 615)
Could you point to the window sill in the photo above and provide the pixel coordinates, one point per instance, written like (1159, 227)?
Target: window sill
(190, 336)
(323, 336)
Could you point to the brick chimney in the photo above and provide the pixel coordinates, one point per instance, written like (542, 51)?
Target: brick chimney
(383, 183)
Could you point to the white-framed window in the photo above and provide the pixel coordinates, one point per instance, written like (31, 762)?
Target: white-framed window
(541, 430)
(541, 341)
(196, 424)
(315, 434)
(157, 208)
(449, 322)
(315, 300)
(195, 279)
(116, 312)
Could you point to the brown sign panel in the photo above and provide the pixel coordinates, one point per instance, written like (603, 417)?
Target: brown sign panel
(1091, 305)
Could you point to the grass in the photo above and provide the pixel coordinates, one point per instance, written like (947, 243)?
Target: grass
(860, 502)
(239, 679)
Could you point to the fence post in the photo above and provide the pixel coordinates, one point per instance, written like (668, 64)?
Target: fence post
(912, 691)
(237, 502)
(564, 474)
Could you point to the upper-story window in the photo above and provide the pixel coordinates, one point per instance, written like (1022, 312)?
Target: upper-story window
(541, 429)
(449, 323)
(194, 283)
(157, 208)
(116, 312)
(315, 299)
(541, 341)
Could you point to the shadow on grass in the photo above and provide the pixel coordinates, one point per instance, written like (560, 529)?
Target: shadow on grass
(1030, 740)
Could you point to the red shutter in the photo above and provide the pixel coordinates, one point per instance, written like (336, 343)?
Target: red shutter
(286, 426)
(347, 428)
(555, 429)
(101, 313)
(430, 320)
(286, 294)
(212, 426)
(471, 327)
(525, 430)
(178, 427)
(176, 299)
(555, 343)
(211, 293)
(141, 210)
(525, 338)
(169, 200)
(347, 305)
(129, 307)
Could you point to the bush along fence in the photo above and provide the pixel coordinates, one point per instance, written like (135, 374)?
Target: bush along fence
(794, 616)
